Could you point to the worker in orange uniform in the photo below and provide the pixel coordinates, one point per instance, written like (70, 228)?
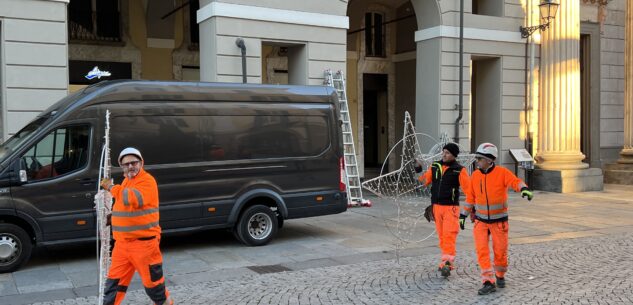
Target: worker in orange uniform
(136, 231)
(488, 194)
(445, 177)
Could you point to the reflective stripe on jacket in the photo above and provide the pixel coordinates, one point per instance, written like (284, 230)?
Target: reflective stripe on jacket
(135, 210)
(488, 194)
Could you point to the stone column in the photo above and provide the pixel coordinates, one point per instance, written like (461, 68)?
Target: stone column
(559, 103)
(626, 155)
(559, 159)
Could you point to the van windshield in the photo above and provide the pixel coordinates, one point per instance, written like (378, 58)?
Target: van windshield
(17, 139)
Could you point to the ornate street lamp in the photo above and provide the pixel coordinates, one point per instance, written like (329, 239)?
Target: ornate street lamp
(548, 10)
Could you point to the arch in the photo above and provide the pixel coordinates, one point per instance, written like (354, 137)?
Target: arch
(428, 13)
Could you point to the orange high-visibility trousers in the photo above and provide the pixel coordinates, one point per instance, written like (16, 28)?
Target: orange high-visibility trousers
(498, 231)
(136, 255)
(447, 227)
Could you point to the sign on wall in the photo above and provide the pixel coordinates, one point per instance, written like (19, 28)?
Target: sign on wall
(90, 72)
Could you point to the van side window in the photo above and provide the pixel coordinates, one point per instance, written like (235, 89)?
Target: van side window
(264, 136)
(62, 151)
(154, 134)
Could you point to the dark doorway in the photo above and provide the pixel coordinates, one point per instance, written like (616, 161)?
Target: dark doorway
(375, 124)
(585, 97)
(485, 101)
(590, 93)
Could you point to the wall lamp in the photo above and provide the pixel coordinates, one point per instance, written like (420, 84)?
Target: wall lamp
(548, 10)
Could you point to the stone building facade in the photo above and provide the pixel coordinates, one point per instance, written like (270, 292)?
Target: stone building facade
(559, 93)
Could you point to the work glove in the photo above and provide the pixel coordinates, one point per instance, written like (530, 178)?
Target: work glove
(106, 184)
(462, 221)
(417, 167)
(428, 213)
(526, 192)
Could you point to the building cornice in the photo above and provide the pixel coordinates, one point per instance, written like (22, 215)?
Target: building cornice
(444, 31)
(220, 9)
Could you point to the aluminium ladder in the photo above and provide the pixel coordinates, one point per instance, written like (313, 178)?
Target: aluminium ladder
(353, 186)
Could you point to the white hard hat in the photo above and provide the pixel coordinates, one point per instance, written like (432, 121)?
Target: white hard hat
(130, 151)
(487, 150)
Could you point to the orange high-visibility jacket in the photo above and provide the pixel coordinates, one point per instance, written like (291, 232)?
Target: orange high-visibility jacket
(135, 210)
(437, 197)
(488, 193)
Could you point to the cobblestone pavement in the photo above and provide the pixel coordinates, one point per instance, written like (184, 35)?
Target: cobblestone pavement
(591, 270)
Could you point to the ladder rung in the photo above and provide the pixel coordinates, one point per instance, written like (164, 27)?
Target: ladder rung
(337, 81)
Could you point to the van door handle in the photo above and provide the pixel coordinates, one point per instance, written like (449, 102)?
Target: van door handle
(87, 181)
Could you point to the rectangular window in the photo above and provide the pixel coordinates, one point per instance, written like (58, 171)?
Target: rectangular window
(215, 138)
(194, 32)
(96, 20)
(488, 7)
(160, 136)
(374, 35)
(264, 137)
(369, 38)
(62, 151)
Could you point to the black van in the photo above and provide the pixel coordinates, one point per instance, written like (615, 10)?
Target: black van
(243, 157)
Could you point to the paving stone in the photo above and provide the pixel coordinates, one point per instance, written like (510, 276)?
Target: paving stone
(569, 271)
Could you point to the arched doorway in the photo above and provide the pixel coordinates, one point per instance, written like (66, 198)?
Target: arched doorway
(381, 76)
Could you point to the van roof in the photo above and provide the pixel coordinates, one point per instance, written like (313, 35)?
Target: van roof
(146, 90)
(126, 90)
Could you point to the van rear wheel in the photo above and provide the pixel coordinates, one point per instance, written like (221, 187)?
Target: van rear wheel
(257, 225)
(15, 247)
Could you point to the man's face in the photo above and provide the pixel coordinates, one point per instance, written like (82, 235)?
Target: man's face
(483, 163)
(447, 156)
(131, 166)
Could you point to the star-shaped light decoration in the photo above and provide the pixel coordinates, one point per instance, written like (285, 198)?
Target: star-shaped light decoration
(402, 188)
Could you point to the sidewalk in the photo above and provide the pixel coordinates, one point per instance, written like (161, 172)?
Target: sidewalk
(349, 249)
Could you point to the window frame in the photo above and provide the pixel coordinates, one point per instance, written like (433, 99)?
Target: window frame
(23, 155)
(93, 33)
(372, 35)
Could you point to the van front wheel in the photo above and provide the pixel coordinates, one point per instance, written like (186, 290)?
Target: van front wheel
(257, 225)
(15, 247)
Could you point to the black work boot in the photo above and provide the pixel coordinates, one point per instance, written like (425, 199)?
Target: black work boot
(446, 270)
(487, 288)
(501, 282)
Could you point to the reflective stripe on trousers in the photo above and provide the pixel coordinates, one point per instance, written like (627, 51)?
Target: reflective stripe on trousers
(136, 255)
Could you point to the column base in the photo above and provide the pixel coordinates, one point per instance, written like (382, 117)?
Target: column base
(568, 180)
(626, 156)
(618, 173)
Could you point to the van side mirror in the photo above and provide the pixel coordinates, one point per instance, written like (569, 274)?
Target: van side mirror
(20, 168)
(23, 177)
